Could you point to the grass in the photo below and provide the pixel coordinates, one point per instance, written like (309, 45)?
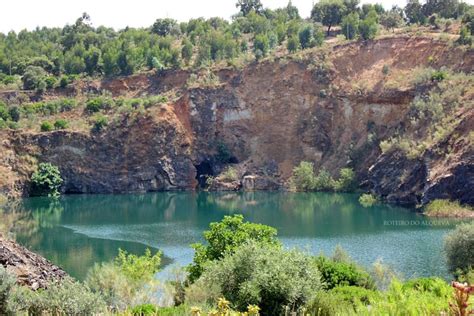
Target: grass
(447, 208)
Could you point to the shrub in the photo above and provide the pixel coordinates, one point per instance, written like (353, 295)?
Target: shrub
(66, 297)
(128, 280)
(51, 82)
(337, 273)
(229, 175)
(46, 127)
(144, 310)
(266, 276)
(406, 301)
(34, 78)
(303, 177)
(4, 115)
(433, 285)
(346, 181)
(7, 283)
(459, 248)
(60, 124)
(224, 237)
(14, 113)
(439, 75)
(94, 105)
(47, 180)
(293, 44)
(99, 123)
(367, 200)
(138, 268)
(325, 303)
(324, 181)
(447, 208)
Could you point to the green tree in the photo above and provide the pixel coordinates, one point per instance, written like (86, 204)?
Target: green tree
(92, 60)
(350, 26)
(414, 12)
(465, 37)
(225, 237)
(391, 19)
(164, 27)
(261, 46)
(303, 176)
(328, 12)
(368, 27)
(293, 44)
(186, 50)
(247, 6)
(47, 180)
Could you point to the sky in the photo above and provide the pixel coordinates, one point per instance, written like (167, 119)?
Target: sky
(28, 14)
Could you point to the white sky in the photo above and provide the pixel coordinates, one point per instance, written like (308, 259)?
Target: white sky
(20, 14)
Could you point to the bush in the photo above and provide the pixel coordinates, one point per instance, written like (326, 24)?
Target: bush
(46, 127)
(346, 181)
(66, 297)
(94, 105)
(303, 176)
(367, 200)
(99, 123)
(225, 237)
(126, 281)
(447, 208)
(338, 273)
(264, 275)
(292, 44)
(4, 115)
(459, 248)
(14, 113)
(432, 285)
(34, 78)
(7, 283)
(60, 124)
(144, 310)
(229, 175)
(400, 300)
(46, 180)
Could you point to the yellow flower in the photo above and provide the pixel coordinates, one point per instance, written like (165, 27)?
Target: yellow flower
(195, 311)
(253, 310)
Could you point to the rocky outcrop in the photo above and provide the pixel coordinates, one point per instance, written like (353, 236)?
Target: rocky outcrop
(30, 269)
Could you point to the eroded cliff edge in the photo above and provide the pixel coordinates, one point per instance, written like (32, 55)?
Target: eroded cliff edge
(329, 106)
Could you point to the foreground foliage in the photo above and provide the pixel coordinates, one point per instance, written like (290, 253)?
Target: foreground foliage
(224, 238)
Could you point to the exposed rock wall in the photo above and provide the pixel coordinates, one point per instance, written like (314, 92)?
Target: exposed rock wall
(268, 117)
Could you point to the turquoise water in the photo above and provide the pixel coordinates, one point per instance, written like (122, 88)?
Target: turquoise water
(78, 231)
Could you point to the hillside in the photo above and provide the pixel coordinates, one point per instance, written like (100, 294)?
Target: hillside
(335, 106)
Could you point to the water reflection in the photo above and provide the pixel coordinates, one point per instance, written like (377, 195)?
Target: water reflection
(77, 231)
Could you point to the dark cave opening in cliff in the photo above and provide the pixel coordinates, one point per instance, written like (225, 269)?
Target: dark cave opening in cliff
(203, 172)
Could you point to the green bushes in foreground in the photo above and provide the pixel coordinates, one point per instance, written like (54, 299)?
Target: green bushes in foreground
(264, 275)
(459, 249)
(244, 270)
(224, 238)
(304, 179)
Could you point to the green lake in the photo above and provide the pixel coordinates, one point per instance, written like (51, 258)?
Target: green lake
(78, 231)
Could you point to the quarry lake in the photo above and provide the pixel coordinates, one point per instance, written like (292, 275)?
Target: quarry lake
(78, 231)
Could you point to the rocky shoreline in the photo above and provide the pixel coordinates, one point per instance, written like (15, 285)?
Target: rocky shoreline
(30, 269)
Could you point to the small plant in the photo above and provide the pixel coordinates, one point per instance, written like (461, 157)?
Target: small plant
(144, 310)
(46, 127)
(385, 70)
(460, 304)
(99, 123)
(367, 200)
(47, 180)
(60, 124)
(439, 75)
(229, 175)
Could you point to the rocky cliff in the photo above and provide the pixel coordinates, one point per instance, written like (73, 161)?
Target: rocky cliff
(330, 106)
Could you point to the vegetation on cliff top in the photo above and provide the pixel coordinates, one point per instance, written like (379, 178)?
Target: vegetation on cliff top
(47, 58)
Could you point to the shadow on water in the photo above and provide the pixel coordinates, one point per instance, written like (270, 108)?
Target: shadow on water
(77, 231)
